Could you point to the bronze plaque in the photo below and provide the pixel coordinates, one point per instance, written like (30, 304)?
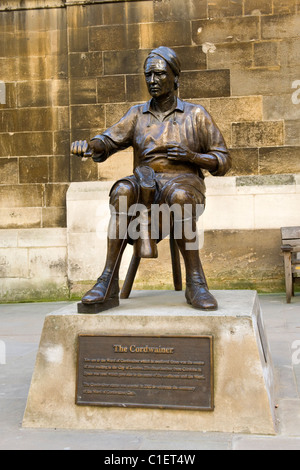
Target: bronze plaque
(145, 371)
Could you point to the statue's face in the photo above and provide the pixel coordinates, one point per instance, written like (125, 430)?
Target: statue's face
(159, 76)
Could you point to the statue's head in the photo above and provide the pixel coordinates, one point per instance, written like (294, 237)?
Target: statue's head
(162, 69)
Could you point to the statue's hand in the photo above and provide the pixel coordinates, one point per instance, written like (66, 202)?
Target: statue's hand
(80, 148)
(179, 152)
(95, 149)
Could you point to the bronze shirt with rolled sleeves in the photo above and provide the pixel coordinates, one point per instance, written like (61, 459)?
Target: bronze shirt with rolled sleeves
(149, 134)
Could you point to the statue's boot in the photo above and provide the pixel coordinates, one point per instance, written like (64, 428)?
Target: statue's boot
(109, 279)
(98, 292)
(198, 295)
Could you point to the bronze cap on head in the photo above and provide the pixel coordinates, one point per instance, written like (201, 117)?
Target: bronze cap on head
(169, 56)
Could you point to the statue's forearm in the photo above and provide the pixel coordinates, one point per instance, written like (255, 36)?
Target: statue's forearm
(206, 161)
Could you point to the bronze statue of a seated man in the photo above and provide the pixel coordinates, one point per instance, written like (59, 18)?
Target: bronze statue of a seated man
(173, 141)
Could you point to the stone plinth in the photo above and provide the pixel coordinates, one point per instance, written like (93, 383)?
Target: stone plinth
(243, 377)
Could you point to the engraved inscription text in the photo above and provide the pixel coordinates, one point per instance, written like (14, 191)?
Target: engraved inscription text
(163, 372)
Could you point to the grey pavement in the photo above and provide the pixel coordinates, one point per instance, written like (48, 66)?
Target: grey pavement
(20, 330)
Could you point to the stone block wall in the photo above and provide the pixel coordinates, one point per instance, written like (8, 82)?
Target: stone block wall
(71, 68)
(34, 117)
(33, 264)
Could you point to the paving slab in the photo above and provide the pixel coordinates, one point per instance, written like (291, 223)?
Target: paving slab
(265, 443)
